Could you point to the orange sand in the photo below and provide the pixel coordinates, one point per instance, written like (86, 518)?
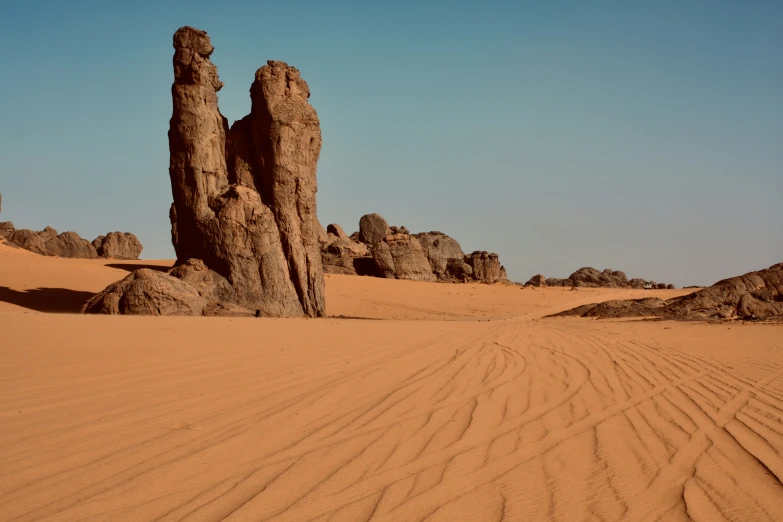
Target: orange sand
(464, 404)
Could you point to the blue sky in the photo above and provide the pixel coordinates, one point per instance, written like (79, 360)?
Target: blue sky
(641, 136)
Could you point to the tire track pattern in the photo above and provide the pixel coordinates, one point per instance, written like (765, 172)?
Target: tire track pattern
(510, 420)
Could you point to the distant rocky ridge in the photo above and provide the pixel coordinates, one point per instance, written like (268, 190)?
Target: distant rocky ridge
(380, 250)
(243, 220)
(755, 295)
(47, 242)
(593, 278)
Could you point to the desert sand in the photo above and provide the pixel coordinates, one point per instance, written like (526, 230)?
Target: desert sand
(444, 402)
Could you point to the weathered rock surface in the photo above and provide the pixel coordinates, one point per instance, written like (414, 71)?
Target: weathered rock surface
(608, 278)
(7, 229)
(439, 249)
(209, 284)
(118, 245)
(48, 242)
(47, 234)
(69, 244)
(398, 254)
(536, 280)
(244, 198)
(372, 228)
(753, 295)
(29, 240)
(486, 267)
(147, 292)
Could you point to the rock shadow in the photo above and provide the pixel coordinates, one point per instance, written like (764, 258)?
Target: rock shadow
(50, 300)
(132, 267)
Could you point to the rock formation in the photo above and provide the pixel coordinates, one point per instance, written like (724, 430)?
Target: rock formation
(439, 249)
(372, 228)
(118, 245)
(7, 229)
(393, 252)
(190, 288)
(69, 244)
(400, 256)
(244, 198)
(755, 295)
(48, 242)
(592, 278)
(537, 280)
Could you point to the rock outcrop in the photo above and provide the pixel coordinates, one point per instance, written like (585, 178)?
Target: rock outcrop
(190, 288)
(7, 229)
(69, 244)
(537, 280)
(118, 245)
(439, 249)
(755, 295)
(400, 256)
(372, 228)
(47, 242)
(393, 252)
(592, 278)
(244, 198)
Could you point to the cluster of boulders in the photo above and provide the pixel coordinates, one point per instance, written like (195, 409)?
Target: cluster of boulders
(593, 278)
(243, 221)
(380, 250)
(47, 242)
(755, 295)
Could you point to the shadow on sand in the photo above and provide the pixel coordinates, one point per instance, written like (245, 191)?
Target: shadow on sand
(132, 267)
(52, 300)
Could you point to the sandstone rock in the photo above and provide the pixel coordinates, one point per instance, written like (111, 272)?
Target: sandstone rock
(69, 244)
(209, 284)
(459, 269)
(372, 229)
(118, 245)
(439, 249)
(338, 231)
(363, 266)
(537, 280)
(244, 199)
(147, 292)
(47, 234)
(400, 256)
(753, 295)
(29, 240)
(670, 287)
(486, 267)
(7, 229)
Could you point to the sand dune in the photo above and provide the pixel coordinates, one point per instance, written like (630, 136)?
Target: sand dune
(454, 402)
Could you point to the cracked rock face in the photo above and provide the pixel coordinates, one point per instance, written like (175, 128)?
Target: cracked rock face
(244, 198)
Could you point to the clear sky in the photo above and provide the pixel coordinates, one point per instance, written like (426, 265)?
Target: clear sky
(642, 136)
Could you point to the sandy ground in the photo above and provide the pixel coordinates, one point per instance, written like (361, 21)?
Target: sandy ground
(456, 402)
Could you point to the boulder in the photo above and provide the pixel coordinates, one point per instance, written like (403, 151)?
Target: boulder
(400, 256)
(7, 229)
(754, 295)
(244, 197)
(47, 234)
(118, 245)
(70, 244)
(372, 229)
(670, 287)
(209, 284)
(29, 240)
(486, 267)
(338, 231)
(439, 249)
(536, 280)
(147, 292)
